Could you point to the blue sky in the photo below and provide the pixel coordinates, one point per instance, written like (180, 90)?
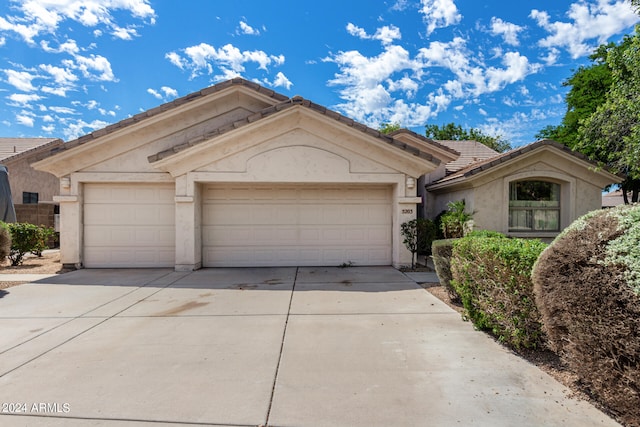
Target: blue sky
(68, 67)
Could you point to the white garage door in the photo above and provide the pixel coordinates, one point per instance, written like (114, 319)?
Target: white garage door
(296, 225)
(129, 225)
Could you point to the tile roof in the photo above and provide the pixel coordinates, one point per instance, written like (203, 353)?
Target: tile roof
(170, 106)
(284, 105)
(283, 102)
(470, 152)
(12, 147)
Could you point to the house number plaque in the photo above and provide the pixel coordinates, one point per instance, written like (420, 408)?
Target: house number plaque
(407, 211)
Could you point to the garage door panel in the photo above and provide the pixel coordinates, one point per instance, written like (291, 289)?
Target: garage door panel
(129, 225)
(296, 225)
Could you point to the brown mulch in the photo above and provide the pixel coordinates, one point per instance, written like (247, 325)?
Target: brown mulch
(49, 263)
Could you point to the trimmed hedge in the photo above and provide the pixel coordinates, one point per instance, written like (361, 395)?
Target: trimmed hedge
(492, 275)
(587, 285)
(441, 255)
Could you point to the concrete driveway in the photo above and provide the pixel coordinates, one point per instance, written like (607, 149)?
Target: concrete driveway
(247, 347)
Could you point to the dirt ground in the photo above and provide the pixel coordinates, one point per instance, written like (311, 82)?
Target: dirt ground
(49, 263)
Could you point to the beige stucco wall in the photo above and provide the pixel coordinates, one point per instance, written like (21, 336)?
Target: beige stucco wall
(23, 178)
(487, 195)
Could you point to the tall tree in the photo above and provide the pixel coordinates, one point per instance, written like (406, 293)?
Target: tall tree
(589, 86)
(387, 128)
(611, 135)
(453, 132)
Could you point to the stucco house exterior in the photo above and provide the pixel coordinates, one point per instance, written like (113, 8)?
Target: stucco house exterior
(32, 191)
(533, 191)
(239, 175)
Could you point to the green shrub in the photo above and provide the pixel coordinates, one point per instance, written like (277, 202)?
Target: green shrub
(441, 254)
(485, 233)
(26, 238)
(587, 286)
(492, 275)
(5, 241)
(454, 222)
(45, 235)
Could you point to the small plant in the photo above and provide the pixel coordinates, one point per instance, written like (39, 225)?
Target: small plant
(346, 264)
(453, 223)
(418, 235)
(26, 238)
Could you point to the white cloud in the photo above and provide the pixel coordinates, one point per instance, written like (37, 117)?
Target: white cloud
(63, 110)
(439, 14)
(386, 34)
(73, 129)
(38, 17)
(155, 93)
(26, 118)
(23, 99)
(3, 41)
(248, 29)
(507, 30)
(48, 128)
(94, 67)
(228, 59)
(21, 80)
(70, 47)
(589, 25)
(167, 93)
(282, 81)
(482, 112)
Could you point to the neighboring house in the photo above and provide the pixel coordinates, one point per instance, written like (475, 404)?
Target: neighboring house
(532, 191)
(613, 199)
(238, 175)
(32, 191)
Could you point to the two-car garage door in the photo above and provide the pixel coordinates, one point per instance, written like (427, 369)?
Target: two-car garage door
(133, 225)
(290, 225)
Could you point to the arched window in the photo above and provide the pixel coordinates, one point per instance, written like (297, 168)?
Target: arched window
(534, 206)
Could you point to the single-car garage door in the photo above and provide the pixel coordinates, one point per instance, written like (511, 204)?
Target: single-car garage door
(296, 225)
(129, 225)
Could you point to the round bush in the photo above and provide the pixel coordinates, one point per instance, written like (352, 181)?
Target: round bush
(587, 288)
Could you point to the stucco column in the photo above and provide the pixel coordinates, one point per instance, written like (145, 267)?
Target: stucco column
(71, 223)
(188, 231)
(406, 210)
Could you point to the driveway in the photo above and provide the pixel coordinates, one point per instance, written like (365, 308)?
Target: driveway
(273, 346)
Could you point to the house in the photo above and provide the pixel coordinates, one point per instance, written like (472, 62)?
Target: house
(32, 191)
(612, 199)
(239, 175)
(532, 191)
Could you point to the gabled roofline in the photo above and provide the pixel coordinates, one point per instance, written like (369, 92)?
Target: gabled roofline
(479, 168)
(51, 142)
(285, 105)
(447, 154)
(168, 106)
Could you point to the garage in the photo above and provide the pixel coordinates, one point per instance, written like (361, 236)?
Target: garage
(237, 175)
(129, 225)
(296, 225)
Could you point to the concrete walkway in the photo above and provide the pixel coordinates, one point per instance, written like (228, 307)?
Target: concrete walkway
(247, 347)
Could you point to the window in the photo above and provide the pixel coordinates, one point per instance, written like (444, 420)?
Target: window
(534, 206)
(29, 198)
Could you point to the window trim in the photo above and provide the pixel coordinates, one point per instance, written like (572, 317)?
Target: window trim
(532, 209)
(567, 200)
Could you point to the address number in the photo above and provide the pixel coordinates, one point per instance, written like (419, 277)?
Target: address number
(407, 211)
